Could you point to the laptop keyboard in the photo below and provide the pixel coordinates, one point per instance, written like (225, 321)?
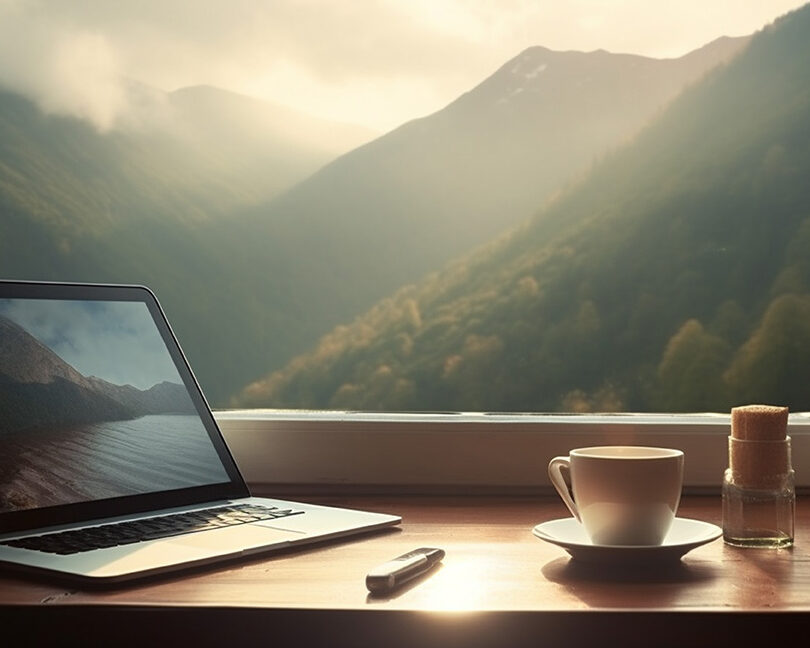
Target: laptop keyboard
(121, 533)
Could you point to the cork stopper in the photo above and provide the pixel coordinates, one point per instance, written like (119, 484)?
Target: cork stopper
(759, 422)
(759, 448)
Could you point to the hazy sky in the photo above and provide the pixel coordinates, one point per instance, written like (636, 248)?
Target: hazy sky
(372, 62)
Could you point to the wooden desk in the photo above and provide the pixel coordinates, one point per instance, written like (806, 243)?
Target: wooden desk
(498, 586)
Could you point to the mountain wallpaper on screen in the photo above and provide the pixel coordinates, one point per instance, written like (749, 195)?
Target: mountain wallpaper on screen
(252, 268)
(38, 389)
(675, 276)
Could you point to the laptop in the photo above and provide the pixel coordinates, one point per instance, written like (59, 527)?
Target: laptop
(112, 466)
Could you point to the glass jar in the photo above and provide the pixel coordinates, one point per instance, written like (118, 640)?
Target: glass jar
(759, 496)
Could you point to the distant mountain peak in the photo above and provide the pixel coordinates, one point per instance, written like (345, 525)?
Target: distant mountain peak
(574, 75)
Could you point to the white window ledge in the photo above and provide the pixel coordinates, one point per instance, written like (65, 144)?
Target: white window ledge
(290, 451)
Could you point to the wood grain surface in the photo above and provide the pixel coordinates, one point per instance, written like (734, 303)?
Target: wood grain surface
(498, 583)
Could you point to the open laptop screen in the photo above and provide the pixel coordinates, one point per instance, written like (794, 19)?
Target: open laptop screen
(99, 413)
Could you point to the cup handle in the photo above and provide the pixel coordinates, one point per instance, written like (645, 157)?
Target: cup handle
(555, 468)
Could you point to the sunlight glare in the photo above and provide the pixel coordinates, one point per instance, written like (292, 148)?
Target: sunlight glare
(461, 585)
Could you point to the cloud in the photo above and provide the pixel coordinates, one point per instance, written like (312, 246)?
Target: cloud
(77, 58)
(377, 62)
(67, 70)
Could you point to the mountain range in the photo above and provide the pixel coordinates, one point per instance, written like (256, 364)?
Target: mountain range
(250, 279)
(672, 277)
(38, 388)
(401, 206)
(439, 185)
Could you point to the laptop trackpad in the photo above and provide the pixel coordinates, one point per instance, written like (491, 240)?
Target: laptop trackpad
(244, 536)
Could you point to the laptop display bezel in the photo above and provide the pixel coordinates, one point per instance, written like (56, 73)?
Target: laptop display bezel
(13, 521)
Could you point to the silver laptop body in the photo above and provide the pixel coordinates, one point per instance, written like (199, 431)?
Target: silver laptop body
(103, 423)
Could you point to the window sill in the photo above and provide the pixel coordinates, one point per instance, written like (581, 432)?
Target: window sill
(290, 451)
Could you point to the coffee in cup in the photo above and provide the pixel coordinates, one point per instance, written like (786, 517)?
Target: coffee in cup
(622, 495)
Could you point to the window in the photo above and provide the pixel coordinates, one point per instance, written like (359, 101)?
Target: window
(352, 212)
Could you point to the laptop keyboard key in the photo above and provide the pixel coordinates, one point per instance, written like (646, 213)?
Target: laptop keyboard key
(121, 533)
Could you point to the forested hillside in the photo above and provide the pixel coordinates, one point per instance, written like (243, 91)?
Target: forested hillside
(389, 212)
(676, 276)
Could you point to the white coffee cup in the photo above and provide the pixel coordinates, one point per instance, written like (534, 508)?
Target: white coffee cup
(622, 495)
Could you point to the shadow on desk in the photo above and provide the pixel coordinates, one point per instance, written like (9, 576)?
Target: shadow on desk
(622, 586)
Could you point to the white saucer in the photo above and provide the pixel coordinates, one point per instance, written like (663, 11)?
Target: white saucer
(684, 536)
